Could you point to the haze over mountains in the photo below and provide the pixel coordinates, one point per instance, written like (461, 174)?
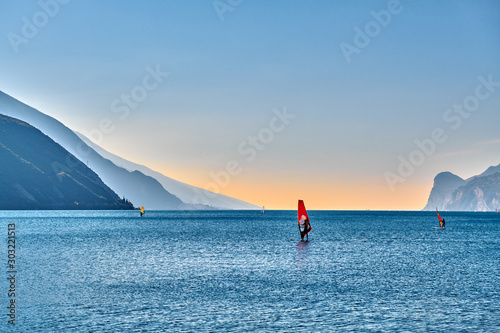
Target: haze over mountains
(187, 193)
(130, 182)
(37, 173)
(478, 193)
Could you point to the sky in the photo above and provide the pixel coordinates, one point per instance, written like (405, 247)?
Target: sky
(344, 104)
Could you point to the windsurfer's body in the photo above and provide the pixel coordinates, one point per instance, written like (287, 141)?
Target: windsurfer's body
(442, 224)
(306, 227)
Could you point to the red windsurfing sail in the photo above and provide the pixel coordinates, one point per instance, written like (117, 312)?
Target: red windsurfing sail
(303, 220)
(440, 219)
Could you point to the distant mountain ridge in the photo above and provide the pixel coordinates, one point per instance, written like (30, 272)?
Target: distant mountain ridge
(140, 189)
(478, 193)
(35, 174)
(140, 185)
(187, 193)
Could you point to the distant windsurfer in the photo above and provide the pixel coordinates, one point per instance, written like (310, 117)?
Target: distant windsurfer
(303, 219)
(441, 221)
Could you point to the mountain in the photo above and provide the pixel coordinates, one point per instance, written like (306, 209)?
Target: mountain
(478, 193)
(491, 170)
(187, 193)
(141, 185)
(35, 174)
(445, 184)
(140, 189)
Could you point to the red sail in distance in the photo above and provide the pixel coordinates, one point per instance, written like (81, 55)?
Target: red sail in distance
(440, 219)
(302, 215)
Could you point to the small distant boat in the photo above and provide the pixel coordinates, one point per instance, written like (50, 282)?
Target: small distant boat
(142, 211)
(303, 219)
(441, 221)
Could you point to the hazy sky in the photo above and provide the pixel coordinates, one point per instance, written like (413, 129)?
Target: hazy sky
(278, 100)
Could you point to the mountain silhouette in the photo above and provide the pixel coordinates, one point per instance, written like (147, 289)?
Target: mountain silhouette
(37, 173)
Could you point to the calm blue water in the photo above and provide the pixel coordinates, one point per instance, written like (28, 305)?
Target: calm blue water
(239, 271)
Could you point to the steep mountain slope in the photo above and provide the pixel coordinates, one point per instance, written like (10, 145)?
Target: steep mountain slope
(445, 184)
(187, 193)
(140, 189)
(35, 174)
(478, 193)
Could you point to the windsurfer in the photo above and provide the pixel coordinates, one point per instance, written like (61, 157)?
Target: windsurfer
(303, 219)
(442, 225)
(307, 228)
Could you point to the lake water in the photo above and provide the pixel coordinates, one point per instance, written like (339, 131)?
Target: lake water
(239, 271)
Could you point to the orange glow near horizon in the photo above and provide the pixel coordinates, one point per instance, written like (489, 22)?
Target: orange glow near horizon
(318, 194)
(339, 198)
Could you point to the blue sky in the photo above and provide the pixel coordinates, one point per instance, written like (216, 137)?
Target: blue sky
(353, 119)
